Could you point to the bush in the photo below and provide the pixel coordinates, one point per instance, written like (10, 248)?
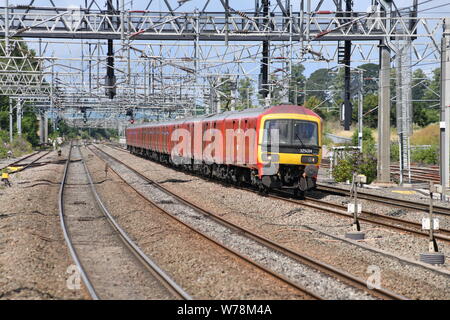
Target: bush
(426, 156)
(3, 150)
(368, 146)
(4, 136)
(360, 163)
(356, 163)
(343, 171)
(395, 152)
(20, 146)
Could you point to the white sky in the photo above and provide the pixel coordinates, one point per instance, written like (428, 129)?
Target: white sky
(215, 4)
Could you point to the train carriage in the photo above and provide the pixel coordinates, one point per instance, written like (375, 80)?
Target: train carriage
(273, 147)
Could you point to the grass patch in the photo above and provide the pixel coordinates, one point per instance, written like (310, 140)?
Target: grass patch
(19, 147)
(426, 136)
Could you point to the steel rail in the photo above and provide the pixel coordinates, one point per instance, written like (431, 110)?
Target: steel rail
(67, 236)
(325, 206)
(32, 162)
(381, 216)
(149, 264)
(216, 242)
(299, 257)
(388, 200)
(15, 163)
(370, 214)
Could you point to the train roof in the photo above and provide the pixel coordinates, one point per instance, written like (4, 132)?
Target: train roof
(251, 112)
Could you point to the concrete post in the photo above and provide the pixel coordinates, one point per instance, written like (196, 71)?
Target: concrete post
(233, 99)
(19, 117)
(360, 110)
(445, 108)
(384, 109)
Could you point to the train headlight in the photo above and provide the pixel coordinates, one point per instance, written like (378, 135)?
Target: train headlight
(270, 157)
(310, 159)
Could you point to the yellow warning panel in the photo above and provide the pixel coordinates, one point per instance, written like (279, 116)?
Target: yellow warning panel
(14, 169)
(404, 191)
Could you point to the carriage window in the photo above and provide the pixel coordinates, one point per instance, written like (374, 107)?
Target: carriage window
(305, 132)
(282, 125)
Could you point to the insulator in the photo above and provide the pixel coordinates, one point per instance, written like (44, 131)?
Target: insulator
(242, 14)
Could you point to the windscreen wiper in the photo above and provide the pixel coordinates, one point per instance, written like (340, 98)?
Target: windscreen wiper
(303, 145)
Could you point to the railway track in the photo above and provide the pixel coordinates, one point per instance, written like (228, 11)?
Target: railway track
(374, 218)
(370, 217)
(423, 174)
(400, 203)
(85, 245)
(18, 163)
(296, 256)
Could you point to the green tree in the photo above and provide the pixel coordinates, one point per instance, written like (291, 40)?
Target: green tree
(28, 63)
(370, 111)
(297, 84)
(226, 85)
(430, 111)
(319, 84)
(245, 90)
(314, 103)
(370, 76)
(30, 127)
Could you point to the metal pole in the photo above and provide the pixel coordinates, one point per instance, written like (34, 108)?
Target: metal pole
(196, 62)
(7, 27)
(399, 110)
(265, 56)
(445, 109)
(10, 121)
(355, 212)
(347, 73)
(384, 110)
(110, 77)
(360, 111)
(432, 245)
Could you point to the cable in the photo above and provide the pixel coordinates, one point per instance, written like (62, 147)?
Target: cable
(440, 6)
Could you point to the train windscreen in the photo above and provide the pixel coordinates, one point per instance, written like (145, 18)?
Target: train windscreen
(292, 132)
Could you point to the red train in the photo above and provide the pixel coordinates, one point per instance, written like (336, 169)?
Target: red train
(273, 147)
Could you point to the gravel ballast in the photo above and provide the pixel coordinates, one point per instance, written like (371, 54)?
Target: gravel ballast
(202, 268)
(287, 224)
(313, 280)
(34, 259)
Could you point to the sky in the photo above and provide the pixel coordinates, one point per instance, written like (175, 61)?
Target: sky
(236, 4)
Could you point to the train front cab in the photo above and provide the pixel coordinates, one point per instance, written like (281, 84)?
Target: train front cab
(294, 162)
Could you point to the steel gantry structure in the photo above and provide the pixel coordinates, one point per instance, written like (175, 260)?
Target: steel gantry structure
(173, 57)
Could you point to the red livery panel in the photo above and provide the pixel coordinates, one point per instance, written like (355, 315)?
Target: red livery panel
(238, 146)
